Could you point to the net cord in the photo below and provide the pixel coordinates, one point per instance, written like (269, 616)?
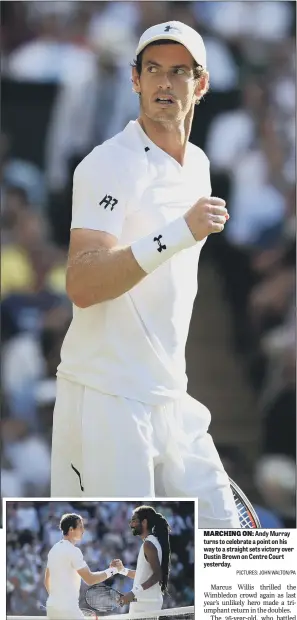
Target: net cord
(186, 613)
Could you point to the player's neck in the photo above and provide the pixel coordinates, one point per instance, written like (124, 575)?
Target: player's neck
(171, 138)
(69, 539)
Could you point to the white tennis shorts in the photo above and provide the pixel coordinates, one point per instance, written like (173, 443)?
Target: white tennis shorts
(148, 607)
(54, 613)
(110, 446)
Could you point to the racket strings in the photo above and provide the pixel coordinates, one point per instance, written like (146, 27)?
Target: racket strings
(102, 599)
(247, 515)
(88, 613)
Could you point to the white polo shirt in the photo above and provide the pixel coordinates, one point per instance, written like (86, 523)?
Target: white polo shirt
(64, 560)
(134, 346)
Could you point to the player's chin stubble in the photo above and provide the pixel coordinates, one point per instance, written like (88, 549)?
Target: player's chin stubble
(165, 117)
(136, 531)
(168, 117)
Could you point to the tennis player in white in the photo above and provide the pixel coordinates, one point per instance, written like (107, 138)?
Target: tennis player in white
(65, 569)
(153, 562)
(124, 425)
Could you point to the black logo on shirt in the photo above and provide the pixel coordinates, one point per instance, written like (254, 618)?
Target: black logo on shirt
(160, 246)
(109, 201)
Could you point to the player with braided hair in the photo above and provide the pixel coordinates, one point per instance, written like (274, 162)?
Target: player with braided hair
(153, 562)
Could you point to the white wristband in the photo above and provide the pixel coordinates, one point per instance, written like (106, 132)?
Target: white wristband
(153, 250)
(111, 571)
(124, 571)
(136, 589)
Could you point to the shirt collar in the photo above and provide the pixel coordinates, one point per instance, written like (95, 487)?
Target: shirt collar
(142, 142)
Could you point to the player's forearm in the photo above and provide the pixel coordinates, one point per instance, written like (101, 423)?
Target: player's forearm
(98, 275)
(98, 577)
(152, 580)
(131, 573)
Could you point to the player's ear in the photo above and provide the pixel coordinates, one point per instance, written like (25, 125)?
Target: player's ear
(135, 80)
(202, 86)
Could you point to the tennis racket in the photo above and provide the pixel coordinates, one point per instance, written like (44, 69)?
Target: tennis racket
(247, 515)
(100, 597)
(87, 613)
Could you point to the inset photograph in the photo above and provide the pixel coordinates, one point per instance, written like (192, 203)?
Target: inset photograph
(68, 560)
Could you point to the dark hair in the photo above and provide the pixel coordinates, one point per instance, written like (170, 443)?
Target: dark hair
(137, 63)
(159, 527)
(68, 521)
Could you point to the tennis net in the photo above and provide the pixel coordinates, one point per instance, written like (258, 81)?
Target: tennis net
(176, 613)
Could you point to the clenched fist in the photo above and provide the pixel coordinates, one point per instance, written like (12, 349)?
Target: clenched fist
(207, 216)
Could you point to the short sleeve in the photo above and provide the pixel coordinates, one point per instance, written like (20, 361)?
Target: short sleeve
(77, 559)
(99, 192)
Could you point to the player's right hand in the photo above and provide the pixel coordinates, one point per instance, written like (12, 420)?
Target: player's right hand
(117, 564)
(207, 216)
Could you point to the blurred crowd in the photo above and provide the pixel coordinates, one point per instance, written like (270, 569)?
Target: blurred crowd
(81, 51)
(33, 528)
(252, 154)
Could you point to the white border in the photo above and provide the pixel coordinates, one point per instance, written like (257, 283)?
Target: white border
(3, 532)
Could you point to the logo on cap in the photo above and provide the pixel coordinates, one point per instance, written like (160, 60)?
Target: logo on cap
(168, 28)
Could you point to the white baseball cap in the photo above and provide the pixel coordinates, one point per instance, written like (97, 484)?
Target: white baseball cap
(176, 31)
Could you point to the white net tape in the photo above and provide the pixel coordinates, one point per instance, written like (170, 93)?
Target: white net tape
(177, 613)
